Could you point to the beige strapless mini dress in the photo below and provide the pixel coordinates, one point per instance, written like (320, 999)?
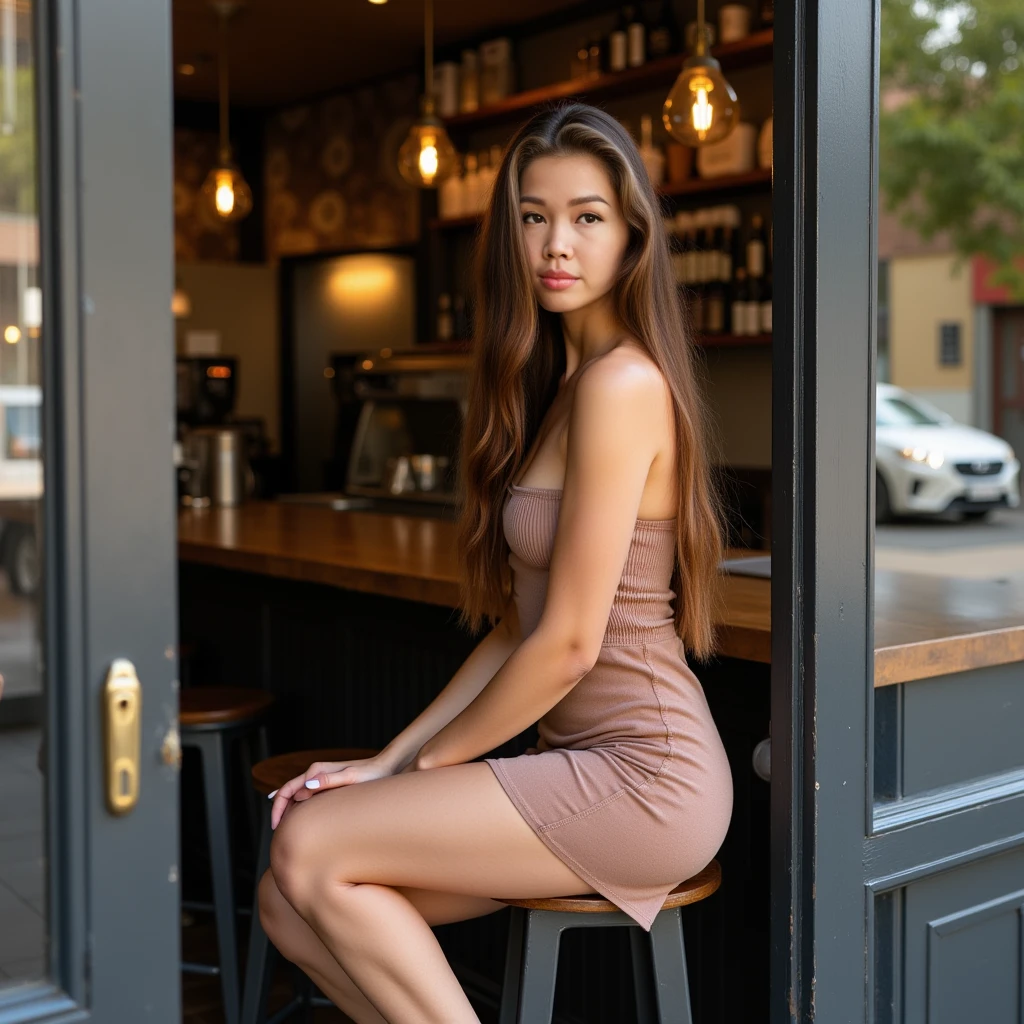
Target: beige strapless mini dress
(629, 783)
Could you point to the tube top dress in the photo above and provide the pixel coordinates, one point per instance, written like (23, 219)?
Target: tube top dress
(629, 783)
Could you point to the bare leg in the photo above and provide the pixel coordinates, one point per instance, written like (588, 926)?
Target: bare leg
(345, 858)
(297, 942)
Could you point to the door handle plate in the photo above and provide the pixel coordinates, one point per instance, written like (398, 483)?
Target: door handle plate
(122, 699)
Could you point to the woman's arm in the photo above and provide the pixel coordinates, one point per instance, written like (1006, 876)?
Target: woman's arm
(473, 675)
(614, 427)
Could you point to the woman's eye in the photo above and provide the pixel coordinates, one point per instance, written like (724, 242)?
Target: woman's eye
(595, 220)
(526, 217)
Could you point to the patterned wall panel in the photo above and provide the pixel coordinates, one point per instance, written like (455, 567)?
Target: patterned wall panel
(198, 233)
(331, 172)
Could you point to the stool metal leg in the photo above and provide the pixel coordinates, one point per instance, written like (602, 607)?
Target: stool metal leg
(542, 933)
(643, 976)
(513, 964)
(668, 954)
(214, 752)
(259, 968)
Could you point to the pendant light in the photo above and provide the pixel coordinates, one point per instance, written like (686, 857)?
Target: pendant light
(427, 156)
(225, 191)
(702, 106)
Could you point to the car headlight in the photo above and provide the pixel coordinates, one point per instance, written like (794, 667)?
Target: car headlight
(923, 456)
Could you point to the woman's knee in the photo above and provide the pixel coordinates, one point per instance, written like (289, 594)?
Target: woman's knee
(291, 864)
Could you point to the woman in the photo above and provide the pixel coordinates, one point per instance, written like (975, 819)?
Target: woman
(586, 508)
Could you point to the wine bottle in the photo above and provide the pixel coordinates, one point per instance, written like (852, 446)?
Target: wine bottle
(756, 246)
(445, 325)
(752, 319)
(739, 302)
(662, 39)
(617, 43)
(636, 39)
(765, 324)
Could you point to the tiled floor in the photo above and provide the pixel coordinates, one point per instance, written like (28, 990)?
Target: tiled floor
(22, 937)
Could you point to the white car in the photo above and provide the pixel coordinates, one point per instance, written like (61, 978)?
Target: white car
(927, 463)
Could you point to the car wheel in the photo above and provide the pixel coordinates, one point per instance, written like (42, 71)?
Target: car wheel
(22, 562)
(976, 515)
(883, 507)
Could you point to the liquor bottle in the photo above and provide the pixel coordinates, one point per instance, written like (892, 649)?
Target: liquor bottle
(617, 43)
(756, 246)
(445, 324)
(469, 82)
(594, 57)
(470, 182)
(752, 320)
(484, 179)
(636, 41)
(449, 193)
(767, 13)
(739, 302)
(662, 39)
(460, 319)
(652, 156)
(765, 324)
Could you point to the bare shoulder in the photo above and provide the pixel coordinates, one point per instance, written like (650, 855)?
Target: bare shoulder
(624, 384)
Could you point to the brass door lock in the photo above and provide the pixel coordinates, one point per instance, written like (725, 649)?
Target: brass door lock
(122, 700)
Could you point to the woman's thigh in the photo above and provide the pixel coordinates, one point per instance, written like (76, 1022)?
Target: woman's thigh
(446, 830)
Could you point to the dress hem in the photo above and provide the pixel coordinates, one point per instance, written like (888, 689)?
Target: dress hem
(645, 921)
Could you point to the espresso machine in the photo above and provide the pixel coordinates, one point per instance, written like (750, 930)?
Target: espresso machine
(215, 450)
(402, 425)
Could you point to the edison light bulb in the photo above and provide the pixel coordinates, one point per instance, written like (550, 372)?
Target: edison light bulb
(427, 156)
(702, 106)
(428, 159)
(224, 197)
(226, 192)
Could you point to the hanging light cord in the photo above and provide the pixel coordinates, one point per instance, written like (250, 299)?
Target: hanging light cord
(428, 40)
(701, 31)
(225, 146)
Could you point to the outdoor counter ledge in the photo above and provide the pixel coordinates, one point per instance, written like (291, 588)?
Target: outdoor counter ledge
(924, 625)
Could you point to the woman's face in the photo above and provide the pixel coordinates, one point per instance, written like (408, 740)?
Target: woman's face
(574, 230)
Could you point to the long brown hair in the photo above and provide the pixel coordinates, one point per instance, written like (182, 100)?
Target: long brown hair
(519, 355)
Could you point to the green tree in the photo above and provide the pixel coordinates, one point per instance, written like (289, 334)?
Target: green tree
(951, 129)
(18, 151)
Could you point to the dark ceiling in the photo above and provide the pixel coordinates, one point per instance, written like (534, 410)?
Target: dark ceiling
(282, 51)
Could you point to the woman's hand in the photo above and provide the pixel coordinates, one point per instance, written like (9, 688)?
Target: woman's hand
(323, 775)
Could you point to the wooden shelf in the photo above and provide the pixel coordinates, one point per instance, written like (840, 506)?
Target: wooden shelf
(732, 340)
(726, 183)
(470, 220)
(691, 186)
(752, 50)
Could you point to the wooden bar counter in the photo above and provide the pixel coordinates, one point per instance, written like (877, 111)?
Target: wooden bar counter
(924, 626)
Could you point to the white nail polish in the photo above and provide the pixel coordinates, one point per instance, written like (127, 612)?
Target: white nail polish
(270, 796)
(312, 784)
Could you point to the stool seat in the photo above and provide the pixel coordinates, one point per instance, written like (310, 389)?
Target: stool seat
(693, 890)
(273, 772)
(220, 705)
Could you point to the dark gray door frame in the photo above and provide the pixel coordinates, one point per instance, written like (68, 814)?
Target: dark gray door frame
(106, 242)
(864, 876)
(823, 400)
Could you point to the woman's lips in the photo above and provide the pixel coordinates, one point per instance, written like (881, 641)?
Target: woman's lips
(557, 284)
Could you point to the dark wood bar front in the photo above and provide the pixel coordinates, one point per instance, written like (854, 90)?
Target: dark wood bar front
(924, 626)
(349, 619)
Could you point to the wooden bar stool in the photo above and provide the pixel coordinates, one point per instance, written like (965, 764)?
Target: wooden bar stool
(210, 717)
(659, 959)
(270, 774)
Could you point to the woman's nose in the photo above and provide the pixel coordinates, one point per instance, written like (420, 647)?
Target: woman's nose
(557, 243)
